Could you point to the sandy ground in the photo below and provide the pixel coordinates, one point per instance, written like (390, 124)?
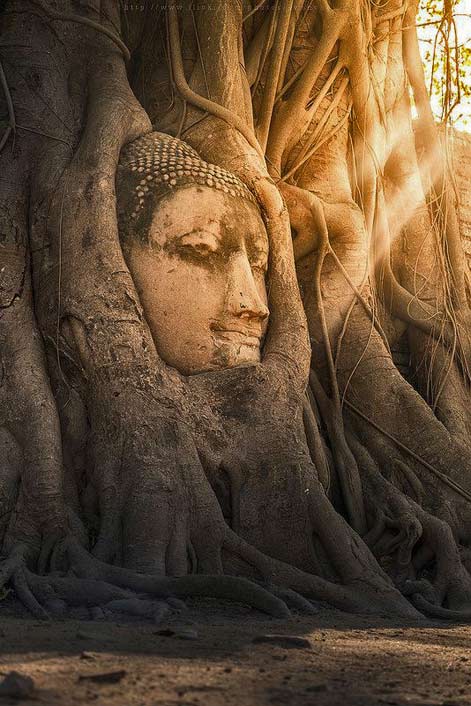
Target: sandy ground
(217, 657)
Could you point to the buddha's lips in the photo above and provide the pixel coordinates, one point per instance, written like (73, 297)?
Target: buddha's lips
(239, 336)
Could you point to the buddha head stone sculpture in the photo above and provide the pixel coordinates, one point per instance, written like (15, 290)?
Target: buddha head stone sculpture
(197, 250)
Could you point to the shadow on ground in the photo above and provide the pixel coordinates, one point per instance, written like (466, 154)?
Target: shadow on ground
(351, 660)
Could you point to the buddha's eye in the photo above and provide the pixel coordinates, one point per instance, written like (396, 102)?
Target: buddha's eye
(199, 243)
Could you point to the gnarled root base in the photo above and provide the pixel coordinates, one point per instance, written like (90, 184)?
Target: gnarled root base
(91, 583)
(417, 547)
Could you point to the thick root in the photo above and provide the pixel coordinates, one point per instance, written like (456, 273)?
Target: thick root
(14, 571)
(419, 549)
(230, 588)
(437, 611)
(371, 595)
(98, 584)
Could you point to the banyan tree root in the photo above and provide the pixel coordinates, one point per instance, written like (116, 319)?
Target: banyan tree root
(367, 593)
(419, 548)
(94, 583)
(396, 526)
(90, 582)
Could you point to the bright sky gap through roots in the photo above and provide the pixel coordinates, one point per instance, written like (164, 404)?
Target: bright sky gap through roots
(433, 36)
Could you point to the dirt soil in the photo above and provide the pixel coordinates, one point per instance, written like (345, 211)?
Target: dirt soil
(216, 654)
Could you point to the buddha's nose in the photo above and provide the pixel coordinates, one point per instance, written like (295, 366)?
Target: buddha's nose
(243, 298)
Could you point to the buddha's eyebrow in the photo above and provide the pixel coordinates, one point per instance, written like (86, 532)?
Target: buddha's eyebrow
(200, 231)
(177, 231)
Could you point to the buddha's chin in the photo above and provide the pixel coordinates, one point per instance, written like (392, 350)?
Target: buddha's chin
(216, 353)
(225, 355)
(232, 355)
(235, 353)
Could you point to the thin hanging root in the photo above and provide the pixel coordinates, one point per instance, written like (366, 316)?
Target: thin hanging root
(262, 45)
(346, 466)
(253, 10)
(308, 218)
(11, 110)
(78, 19)
(404, 305)
(438, 474)
(286, 117)
(411, 310)
(412, 479)
(190, 96)
(230, 588)
(324, 138)
(296, 15)
(313, 143)
(273, 75)
(314, 443)
(307, 211)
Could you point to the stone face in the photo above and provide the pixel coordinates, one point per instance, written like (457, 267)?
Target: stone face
(197, 249)
(201, 279)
